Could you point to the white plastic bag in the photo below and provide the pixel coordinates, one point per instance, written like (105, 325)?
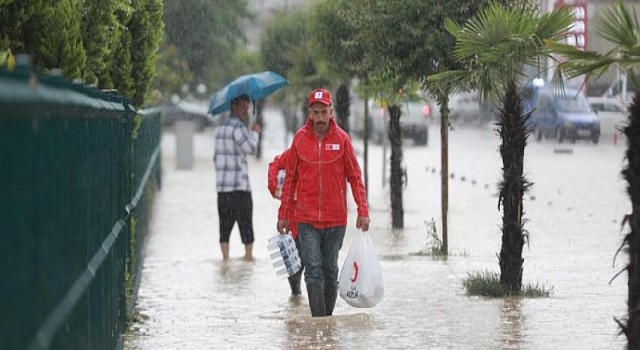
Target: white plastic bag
(360, 281)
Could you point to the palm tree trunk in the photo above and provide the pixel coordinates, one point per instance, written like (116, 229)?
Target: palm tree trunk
(632, 174)
(395, 138)
(512, 188)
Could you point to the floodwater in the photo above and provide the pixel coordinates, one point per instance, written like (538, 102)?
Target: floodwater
(189, 299)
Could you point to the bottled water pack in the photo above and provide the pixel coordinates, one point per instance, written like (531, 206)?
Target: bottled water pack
(284, 255)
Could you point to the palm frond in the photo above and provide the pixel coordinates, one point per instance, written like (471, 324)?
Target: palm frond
(571, 52)
(454, 80)
(555, 25)
(618, 26)
(499, 42)
(578, 62)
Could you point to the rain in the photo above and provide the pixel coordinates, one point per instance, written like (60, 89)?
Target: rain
(139, 89)
(190, 299)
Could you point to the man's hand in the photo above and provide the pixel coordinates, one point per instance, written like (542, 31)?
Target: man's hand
(256, 127)
(363, 223)
(283, 226)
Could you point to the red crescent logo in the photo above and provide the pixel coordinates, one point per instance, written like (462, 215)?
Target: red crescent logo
(355, 272)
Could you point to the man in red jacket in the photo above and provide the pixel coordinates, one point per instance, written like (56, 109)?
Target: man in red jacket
(321, 163)
(276, 176)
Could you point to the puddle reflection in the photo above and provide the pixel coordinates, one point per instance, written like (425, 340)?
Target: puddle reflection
(335, 332)
(512, 322)
(235, 273)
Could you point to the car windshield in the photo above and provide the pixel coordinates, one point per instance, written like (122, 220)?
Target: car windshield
(572, 104)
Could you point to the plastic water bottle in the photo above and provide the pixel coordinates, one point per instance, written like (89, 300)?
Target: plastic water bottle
(284, 255)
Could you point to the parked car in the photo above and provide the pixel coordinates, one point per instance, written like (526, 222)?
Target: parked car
(612, 116)
(186, 110)
(564, 116)
(414, 120)
(466, 108)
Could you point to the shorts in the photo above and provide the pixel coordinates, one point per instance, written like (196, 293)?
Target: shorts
(235, 207)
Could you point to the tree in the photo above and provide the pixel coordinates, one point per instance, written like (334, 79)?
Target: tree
(441, 43)
(16, 18)
(332, 33)
(618, 26)
(499, 42)
(59, 34)
(406, 42)
(172, 72)
(207, 34)
(286, 49)
(120, 61)
(60, 40)
(48, 32)
(342, 56)
(145, 28)
(100, 29)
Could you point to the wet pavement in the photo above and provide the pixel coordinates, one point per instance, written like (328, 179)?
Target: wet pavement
(190, 299)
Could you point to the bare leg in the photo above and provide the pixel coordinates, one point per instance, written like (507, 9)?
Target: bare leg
(248, 252)
(224, 247)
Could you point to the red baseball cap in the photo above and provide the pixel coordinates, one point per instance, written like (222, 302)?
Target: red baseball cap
(321, 96)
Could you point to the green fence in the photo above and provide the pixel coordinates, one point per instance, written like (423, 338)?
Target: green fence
(78, 169)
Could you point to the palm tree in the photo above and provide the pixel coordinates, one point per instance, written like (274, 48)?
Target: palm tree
(500, 42)
(618, 26)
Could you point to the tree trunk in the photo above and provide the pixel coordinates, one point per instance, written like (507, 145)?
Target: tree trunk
(366, 143)
(443, 100)
(513, 133)
(395, 138)
(632, 174)
(342, 107)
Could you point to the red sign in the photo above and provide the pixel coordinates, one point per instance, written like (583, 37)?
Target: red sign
(579, 33)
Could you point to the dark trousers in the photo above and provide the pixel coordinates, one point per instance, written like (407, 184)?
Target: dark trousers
(235, 207)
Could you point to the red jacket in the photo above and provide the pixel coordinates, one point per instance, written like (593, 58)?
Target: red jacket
(318, 171)
(278, 163)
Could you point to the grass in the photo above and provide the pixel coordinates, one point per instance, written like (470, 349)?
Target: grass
(434, 243)
(487, 284)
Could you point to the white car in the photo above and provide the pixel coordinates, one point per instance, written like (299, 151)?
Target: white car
(612, 116)
(466, 108)
(414, 120)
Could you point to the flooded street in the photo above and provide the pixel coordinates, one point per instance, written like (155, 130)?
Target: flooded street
(190, 299)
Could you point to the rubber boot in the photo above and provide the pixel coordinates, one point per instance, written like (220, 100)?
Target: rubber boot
(330, 296)
(294, 282)
(315, 292)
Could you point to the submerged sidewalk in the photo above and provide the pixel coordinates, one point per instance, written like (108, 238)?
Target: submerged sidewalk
(190, 299)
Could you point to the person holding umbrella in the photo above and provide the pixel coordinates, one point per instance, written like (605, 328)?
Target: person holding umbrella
(233, 141)
(321, 162)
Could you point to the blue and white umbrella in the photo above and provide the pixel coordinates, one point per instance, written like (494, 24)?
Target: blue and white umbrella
(257, 86)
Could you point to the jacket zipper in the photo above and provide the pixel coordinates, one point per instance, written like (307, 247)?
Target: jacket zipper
(320, 181)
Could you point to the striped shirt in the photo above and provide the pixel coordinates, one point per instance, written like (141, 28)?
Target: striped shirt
(233, 141)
